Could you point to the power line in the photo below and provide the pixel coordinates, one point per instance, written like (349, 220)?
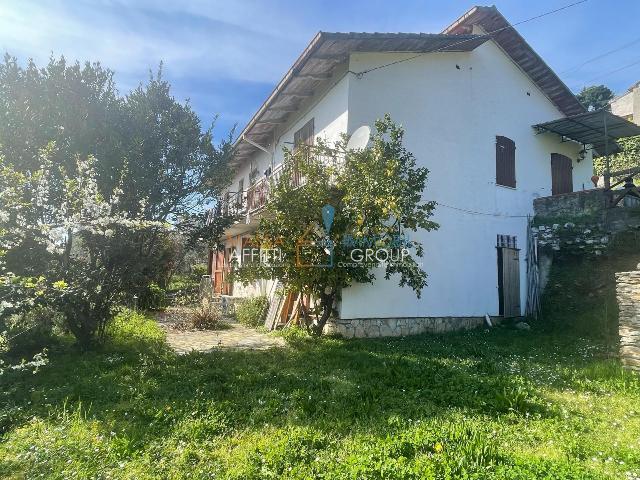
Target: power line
(488, 34)
(606, 74)
(602, 55)
(487, 214)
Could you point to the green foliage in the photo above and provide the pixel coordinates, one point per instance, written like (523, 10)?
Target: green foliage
(89, 180)
(198, 271)
(74, 105)
(595, 97)
(183, 285)
(171, 161)
(496, 404)
(132, 331)
(65, 245)
(376, 194)
(30, 331)
(252, 311)
(153, 297)
(580, 296)
(628, 158)
(517, 396)
(147, 142)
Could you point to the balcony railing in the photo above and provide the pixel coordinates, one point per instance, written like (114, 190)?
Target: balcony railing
(257, 195)
(234, 204)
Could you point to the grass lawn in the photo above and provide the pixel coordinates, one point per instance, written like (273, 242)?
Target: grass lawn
(499, 404)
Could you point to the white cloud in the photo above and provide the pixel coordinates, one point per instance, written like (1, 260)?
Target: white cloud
(188, 40)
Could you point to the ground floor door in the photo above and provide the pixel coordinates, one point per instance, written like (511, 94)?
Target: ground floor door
(561, 174)
(509, 281)
(219, 273)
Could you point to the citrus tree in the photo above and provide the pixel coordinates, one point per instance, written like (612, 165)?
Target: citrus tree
(336, 217)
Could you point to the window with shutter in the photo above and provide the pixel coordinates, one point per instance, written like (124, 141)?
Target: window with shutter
(505, 162)
(304, 136)
(561, 174)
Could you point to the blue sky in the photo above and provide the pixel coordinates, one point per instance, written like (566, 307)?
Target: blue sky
(226, 56)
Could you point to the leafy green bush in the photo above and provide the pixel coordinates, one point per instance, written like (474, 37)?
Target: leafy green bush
(132, 330)
(252, 311)
(30, 331)
(153, 297)
(197, 271)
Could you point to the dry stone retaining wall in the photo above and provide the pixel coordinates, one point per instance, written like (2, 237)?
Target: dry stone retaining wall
(628, 294)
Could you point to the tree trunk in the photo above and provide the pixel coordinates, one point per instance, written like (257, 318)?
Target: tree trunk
(326, 302)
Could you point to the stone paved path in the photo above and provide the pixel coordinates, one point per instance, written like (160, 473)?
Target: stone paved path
(237, 336)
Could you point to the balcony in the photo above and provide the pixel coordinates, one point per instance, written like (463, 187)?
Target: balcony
(249, 202)
(258, 194)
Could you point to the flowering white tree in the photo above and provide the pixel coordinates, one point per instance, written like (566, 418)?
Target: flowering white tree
(65, 244)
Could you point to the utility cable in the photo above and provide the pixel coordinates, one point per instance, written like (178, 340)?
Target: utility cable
(447, 47)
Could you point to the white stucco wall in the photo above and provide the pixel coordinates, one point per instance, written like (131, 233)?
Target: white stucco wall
(452, 116)
(623, 105)
(628, 105)
(328, 109)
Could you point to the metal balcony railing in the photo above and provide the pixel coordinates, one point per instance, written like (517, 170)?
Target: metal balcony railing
(257, 195)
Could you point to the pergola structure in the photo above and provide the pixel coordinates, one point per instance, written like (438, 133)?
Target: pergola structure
(600, 131)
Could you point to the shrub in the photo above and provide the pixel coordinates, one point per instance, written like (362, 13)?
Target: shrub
(30, 331)
(135, 331)
(206, 315)
(197, 271)
(153, 297)
(252, 311)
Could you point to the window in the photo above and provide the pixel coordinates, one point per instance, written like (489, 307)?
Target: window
(240, 194)
(253, 176)
(561, 174)
(304, 136)
(302, 139)
(505, 162)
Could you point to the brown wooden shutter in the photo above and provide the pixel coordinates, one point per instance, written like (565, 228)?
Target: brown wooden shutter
(505, 162)
(561, 174)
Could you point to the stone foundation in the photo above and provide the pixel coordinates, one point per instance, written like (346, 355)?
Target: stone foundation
(628, 295)
(398, 327)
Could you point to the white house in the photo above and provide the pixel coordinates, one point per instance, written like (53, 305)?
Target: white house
(627, 105)
(467, 98)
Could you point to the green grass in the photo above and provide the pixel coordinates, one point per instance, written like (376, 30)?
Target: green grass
(496, 404)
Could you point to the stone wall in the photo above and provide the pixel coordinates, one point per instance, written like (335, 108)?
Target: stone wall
(585, 202)
(628, 294)
(398, 327)
(579, 222)
(575, 238)
(621, 219)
